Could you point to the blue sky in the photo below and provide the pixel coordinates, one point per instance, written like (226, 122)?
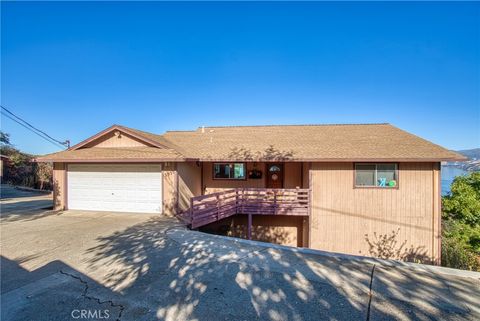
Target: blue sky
(73, 69)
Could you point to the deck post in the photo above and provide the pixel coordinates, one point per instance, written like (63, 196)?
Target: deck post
(218, 207)
(249, 227)
(274, 202)
(191, 211)
(236, 201)
(242, 200)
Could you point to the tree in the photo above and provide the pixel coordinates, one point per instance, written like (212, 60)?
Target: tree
(461, 223)
(21, 168)
(4, 138)
(463, 202)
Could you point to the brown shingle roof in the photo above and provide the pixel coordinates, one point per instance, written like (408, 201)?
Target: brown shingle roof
(359, 142)
(114, 154)
(308, 142)
(157, 138)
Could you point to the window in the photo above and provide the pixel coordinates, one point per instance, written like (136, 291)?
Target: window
(383, 175)
(229, 171)
(275, 168)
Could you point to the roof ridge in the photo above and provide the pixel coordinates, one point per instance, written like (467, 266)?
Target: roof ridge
(138, 130)
(164, 141)
(296, 125)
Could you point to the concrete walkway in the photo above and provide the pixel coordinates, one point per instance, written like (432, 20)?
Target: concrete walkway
(139, 267)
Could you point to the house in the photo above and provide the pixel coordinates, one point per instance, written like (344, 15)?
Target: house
(363, 189)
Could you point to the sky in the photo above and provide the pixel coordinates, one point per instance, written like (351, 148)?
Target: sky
(73, 69)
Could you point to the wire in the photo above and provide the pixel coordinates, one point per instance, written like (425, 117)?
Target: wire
(33, 127)
(44, 137)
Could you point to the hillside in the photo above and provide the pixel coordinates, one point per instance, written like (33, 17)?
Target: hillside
(470, 153)
(473, 164)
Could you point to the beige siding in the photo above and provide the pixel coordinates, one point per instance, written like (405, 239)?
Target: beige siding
(170, 179)
(293, 175)
(59, 186)
(403, 222)
(189, 183)
(437, 213)
(111, 141)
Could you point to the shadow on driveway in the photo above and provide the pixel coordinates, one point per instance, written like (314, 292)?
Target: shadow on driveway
(177, 274)
(54, 291)
(8, 192)
(158, 270)
(24, 205)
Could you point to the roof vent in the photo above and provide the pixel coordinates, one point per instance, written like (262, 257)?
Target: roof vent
(203, 129)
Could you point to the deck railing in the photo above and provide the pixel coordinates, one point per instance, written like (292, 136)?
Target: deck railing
(210, 208)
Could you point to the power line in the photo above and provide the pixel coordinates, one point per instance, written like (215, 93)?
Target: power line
(32, 128)
(66, 143)
(28, 128)
(24, 123)
(44, 137)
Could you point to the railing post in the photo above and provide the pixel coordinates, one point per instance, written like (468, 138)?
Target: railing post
(236, 201)
(191, 210)
(309, 200)
(242, 200)
(218, 206)
(249, 227)
(274, 202)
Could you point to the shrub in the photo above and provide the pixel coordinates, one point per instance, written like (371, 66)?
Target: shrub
(21, 170)
(456, 255)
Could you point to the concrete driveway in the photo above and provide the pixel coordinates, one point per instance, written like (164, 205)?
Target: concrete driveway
(77, 265)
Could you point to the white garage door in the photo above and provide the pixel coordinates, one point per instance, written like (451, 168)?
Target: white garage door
(112, 187)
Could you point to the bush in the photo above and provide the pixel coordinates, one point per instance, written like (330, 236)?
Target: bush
(460, 245)
(456, 255)
(21, 170)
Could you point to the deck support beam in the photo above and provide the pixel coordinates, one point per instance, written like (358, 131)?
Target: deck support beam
(249, 227)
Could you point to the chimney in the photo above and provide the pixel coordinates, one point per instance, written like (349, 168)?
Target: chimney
(203, 129)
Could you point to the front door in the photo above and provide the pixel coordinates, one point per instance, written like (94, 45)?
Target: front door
(275, 175)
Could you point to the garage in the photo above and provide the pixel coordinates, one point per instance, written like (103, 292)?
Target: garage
(115, 187)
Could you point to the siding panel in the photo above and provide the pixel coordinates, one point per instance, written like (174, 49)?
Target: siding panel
(189, 184)
(59, 186)
(112, 141)
(398, 223)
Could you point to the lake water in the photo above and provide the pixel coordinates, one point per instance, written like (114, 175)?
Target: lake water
(448, 174)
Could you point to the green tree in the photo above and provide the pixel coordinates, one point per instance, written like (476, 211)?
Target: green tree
(463, 202)
(4, 138)
(461, 223)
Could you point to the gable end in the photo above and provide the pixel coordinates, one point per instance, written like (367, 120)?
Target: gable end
(117, 136)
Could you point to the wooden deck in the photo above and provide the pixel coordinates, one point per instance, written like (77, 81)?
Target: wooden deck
(213, 207)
